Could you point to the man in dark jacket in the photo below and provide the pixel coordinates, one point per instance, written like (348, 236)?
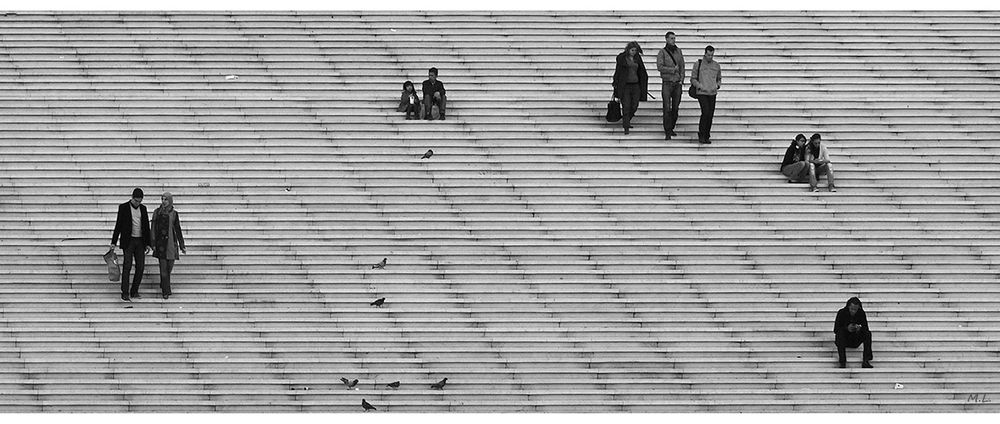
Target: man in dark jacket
(630, 82)
(434, 94)
(132, 224)
(851, 328)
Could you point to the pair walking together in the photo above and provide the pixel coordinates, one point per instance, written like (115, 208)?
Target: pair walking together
(631, 80)
(139, 236)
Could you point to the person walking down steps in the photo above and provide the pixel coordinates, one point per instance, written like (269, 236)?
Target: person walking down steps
(630, 82)
(132, 224)
(167, 239)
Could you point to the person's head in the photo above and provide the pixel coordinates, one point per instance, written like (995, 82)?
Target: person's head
(816, 140)
(408, 86)
(799, 140)
(633, 49)
(136, 197)
(432, 74)
(671, 38)
(853, 305)
(167, 200)
(709, 53)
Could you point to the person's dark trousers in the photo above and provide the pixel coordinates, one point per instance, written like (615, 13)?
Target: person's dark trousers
(707, 104)
(852, 340)
(137, 251)
(412, 112)
(429, 101)
(166, 267)
(671, 103)
(630, 102)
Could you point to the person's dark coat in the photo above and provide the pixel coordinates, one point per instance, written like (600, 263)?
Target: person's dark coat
(162, 237)
(621, 72)
(404, 101)
(793, 154)
(844, 318)
(430, 87)
(123, 225)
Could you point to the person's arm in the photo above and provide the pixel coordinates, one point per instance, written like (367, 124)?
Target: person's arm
(840, 325)
(695, 70)
(718, 79)
(152, 226)
(441, 84)
(180, 234)
(661, 64)
(118, 230)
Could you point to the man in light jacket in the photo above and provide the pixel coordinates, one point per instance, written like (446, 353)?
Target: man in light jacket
(707, 79)
(670, 63)
(819, 164)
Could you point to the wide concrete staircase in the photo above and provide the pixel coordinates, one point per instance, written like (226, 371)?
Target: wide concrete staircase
(541, 260)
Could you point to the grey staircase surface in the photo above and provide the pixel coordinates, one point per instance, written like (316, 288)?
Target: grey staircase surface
(541, 260)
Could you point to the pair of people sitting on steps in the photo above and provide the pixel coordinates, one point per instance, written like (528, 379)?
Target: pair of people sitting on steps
(434, 95)
(808, 160)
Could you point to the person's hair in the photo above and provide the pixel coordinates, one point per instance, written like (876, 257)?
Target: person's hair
(408, 83)
(800, 137)
(638, 49)
(709, 48)
(433, 71)
(669, 33)
(815, 137)
(854, 300)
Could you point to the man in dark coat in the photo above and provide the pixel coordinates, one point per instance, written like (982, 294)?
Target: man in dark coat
(851, 329)
(630, 82)
(132, 224)
(434, 94)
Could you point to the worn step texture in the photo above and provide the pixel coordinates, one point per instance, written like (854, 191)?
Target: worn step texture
(540, 260)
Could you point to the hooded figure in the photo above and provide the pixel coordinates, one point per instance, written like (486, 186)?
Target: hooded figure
(851, 330)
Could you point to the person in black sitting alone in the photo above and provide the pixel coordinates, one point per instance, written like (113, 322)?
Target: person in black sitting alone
(433, 94)
(851, 328)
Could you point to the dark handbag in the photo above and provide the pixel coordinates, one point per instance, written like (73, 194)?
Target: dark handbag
(692, 91)
(111, 259)
(614, 111)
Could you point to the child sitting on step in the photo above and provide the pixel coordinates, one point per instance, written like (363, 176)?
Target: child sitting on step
(409, 102)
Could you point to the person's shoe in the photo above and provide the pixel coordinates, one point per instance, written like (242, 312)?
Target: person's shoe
(673, 134)
(702, 141)
(842, 365)
(136, 296)
(626, 130)
(815, 190)
(126, 298)
(442, 118)
(166, 296)
(630, 125)
(666, 137)
(866, 364)
(833, 189)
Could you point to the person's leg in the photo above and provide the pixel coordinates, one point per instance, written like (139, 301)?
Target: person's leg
(841, 341)
(627, 105)
(866, 338)
(428, 102)
(703, 121)
(831, 181)
(140, 263)
(711, 115)
(676, 93)
(665, 95)
(128, 254)
(442, 99)
(166, 266)
(812, 177)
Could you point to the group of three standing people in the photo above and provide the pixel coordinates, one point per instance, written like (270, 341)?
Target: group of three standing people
(630, 83)
(139, 236)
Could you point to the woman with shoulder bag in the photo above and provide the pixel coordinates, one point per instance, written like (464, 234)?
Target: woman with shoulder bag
(167, 237)
(630, 82)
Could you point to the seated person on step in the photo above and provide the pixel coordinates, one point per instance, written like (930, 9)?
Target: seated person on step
(794, 166)
(409, 102)
(434, 95)
(851, 329)
(819, 161)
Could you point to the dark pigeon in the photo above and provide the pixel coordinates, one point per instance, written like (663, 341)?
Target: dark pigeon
(378, 302)
(428, 154)
(367, 406)
(394, 385)
(439, 385)
(380, 265)
(350, 384)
